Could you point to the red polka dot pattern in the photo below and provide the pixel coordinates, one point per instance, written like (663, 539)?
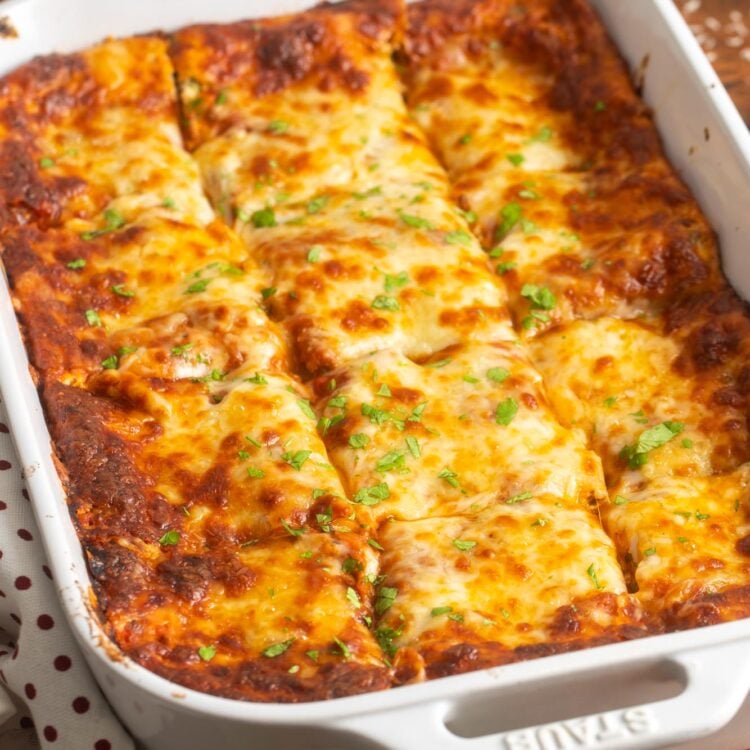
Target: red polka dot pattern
(45, 622)
(50, 733)
(63, 663)
(39, 660)
(81, 704)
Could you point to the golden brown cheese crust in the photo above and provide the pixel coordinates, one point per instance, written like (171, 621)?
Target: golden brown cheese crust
(534, 115)
(424, 513)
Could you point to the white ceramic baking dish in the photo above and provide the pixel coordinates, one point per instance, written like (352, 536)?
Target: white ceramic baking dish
(649, 693)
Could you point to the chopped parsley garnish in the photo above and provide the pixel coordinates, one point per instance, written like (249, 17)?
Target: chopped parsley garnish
(519, 498)
(257, 379)
(170, 539)
(269, 291)
(503, 268)
(313, 254)
(413, 445)
(515, 159)
(591, 571)
(458, 237)
(464, 545)
(312, 654)
(385, 637)
(639, 416)
(351, 566)
(92, 318)
(316, 205)
(396, 282)
(110, 363)
(650, 551)
(391, 461)
(178, 351)
(343, 648)
(113, 220)
(701, 516)
(278, 126)
(529, 194)
(121, 291)
(545, 134)
(375, 544)
(353, 597)
(510, 215)
(506, 411)
(687, 443)
(637, 454)
(338, 402)
(498, 374)
(385, 598)
(76, 264)
(449, 476)
(539, 296)
(296, 459)
(384, 391)
(440, 363)
(377, 190)
(255, 473)
(467, 378)
(383, 302)
(620, 500)
(277, 649)
(243, 455)
(206, 653)
(359, 440)
(305, 408)
(372, 495)
(169, 203)
(198, 286)
(414, 221)
(457, 616)
(610, 401)
(599, 106)
(291, 531)
(46, 162)
(465, 139)
(437, 611)
(264, 217)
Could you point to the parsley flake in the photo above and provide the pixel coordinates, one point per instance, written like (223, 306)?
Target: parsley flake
(591, 572)
(92, 318)
(296, 459)
(385, 599)
(76, 264)
(510, 215)
(170, 539)
(277, 649)
(372, 495)
(359, 440)
(506, 411)
(207, 653)
(417, 222)
(463, 545)
(383, 302)
(264, 217)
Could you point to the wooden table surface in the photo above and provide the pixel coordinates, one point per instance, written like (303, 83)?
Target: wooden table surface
(723, 29)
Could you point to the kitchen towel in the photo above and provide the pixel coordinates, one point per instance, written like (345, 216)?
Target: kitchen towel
(55, 696)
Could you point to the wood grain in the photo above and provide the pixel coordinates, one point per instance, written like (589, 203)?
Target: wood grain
(723, 29)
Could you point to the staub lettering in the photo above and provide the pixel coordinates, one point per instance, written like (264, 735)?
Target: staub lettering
(592, 731)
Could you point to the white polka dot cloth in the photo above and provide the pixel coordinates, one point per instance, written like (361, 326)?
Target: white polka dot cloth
(57, 703)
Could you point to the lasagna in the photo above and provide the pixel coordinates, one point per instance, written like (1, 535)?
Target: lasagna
(377, 343)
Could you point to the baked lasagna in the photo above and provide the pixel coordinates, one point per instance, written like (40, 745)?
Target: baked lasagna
(377, 343)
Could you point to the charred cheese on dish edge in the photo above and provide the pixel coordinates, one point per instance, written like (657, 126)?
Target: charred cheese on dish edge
(202, 492)
(546, 143)
(545, 140)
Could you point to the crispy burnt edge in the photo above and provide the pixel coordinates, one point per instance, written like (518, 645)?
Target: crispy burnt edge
(568, 37)
(269, 55)
(111, 498)
(58, 86)
(572, 629)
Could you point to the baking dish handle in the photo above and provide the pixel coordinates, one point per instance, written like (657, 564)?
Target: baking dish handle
(716, 682)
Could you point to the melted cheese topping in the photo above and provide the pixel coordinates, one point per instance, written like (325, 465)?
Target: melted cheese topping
(473, 419)
(681, 539)
(616, 380)
(569, 192)
(350, 217)
(484, 577)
